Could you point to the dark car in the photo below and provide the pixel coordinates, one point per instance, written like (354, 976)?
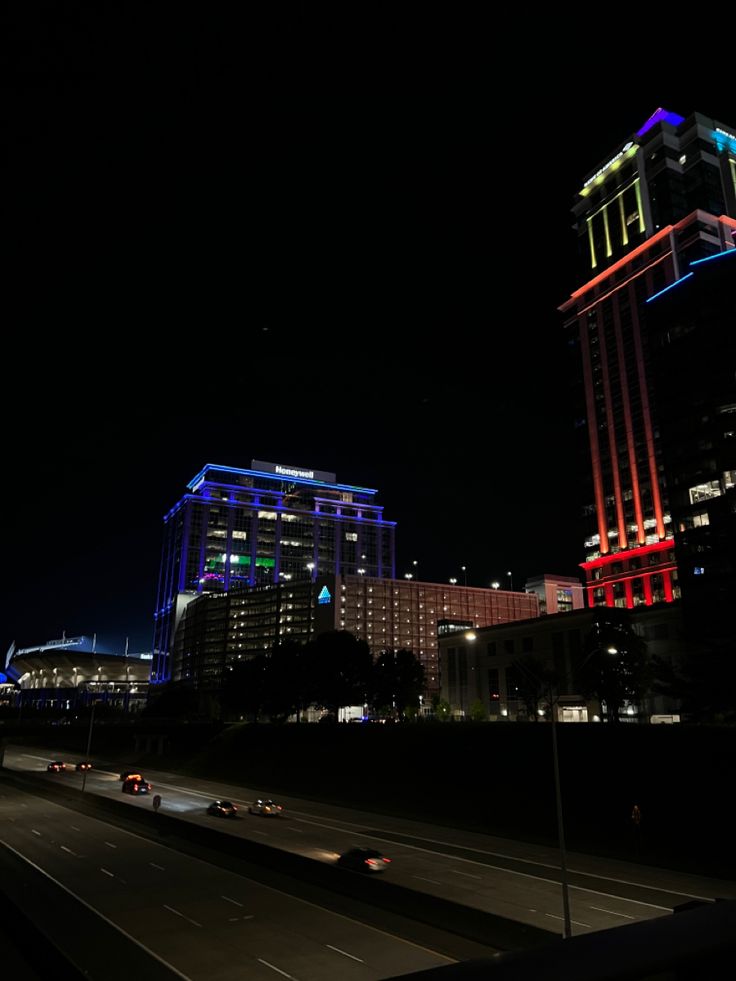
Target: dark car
(56, 766)
(266, 808)
(136, 784)
(223, 808)
(84, 765)
(363, 860)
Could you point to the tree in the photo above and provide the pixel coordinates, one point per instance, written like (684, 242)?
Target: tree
(286, 682)
(614, 668)
(244, 688)
(534, 682)
(478, 711)
(397, 680)
(340, 668)
(704, 684)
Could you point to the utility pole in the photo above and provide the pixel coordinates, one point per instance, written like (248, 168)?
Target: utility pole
(89, 744)
(567, 925)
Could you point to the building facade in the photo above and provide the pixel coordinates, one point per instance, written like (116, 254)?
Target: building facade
(693, 327)
(215, 629)
(665, 198)
(556, 594)
(266, 525)
(490, 665)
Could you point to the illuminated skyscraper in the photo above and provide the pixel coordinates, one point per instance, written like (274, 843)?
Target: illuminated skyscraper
(270, 524)
(664, 198)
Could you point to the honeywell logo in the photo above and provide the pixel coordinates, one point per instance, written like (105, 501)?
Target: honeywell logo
(293, 472)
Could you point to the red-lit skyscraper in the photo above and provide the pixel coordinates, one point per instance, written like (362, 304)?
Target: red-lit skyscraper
(664, 198)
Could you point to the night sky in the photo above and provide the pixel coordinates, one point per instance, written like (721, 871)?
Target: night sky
(226, 241)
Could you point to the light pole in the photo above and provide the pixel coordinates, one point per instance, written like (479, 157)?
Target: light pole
(89, 744)
(464, 571)
(453, 581)
(567, 924)
(511, 581)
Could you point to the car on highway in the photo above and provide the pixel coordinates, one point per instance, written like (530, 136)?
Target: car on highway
(223, 808)
(266, 808)
(56, 766)
(136, 784)
(363, 860)
(127, 773)
(84, 765)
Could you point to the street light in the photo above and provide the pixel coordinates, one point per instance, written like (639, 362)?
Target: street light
(511, 581)
(464, 571)
(408, 575)
(567, 924)
(89, 744)
(310, 566)
(453, 581)
(495, 584)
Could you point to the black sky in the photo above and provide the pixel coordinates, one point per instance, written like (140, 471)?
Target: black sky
(333, 244)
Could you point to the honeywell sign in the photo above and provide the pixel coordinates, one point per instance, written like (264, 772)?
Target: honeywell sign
(283, 471)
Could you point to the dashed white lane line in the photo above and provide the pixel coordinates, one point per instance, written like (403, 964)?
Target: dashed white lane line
(612, 912)
(576, 922)
(434, 882)
(468, 875)
(277, 969)
(65, 849)
(159, 867)
(233, 901)
(345, 954)
(111, 874)
(110, 844)
(177, 913)
(74, 827)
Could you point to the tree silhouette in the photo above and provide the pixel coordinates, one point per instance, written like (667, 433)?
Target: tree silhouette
(397, 680)
(341, 668)
(614, 668)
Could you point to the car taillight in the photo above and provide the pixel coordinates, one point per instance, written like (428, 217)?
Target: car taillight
(135, 786)
(387, 861)
(370, 861)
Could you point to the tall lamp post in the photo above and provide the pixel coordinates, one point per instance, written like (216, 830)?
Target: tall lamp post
(464, 571)
(511, 581)
(89, 744)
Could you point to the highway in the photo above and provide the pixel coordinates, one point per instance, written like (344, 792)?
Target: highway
(507, 878)
(200, 920)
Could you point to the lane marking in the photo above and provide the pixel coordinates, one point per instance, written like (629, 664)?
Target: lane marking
(74, 827)
(576, 922)
(511, 858)
(277, 969)
(257, 832)
(468, 875)
(612, 912)
(177, 913)
(65, 849)
(346, 954)
(233, 901)
(96, 912)
(110, 844)
(280, 892)
(297, 831)
(424, 879)
(111, 874)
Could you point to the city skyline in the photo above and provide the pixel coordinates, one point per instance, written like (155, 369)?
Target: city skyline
(334, 294)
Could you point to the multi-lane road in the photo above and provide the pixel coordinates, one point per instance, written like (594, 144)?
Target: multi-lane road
(510, 879)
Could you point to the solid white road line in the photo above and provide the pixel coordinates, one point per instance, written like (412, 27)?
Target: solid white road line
(612, 912)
